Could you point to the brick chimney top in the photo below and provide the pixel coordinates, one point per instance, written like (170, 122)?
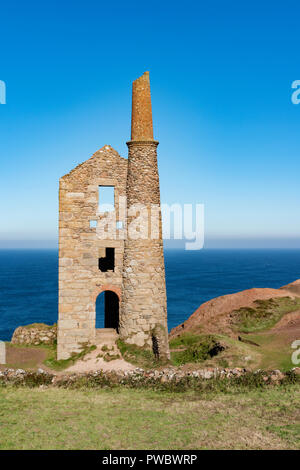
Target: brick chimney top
(141, 116)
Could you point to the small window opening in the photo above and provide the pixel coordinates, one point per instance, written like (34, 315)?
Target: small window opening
(107, 263)
(93, 223)
(119, 224)
(106, 201)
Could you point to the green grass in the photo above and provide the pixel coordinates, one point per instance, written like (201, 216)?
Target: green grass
(194, 348)
(39, 326)
(185, 340)
(217, 351)
(288, 432)
(138, 356)
(264, 315)
(275, 352)
(145, 419)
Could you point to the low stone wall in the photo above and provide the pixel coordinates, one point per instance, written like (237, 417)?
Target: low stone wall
(35, 334)
(140, 378)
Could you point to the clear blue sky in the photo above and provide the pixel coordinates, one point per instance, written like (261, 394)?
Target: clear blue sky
(221, 75)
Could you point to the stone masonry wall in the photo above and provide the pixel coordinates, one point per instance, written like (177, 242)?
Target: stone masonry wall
(143, 318)
(139, 273)
(37, 333)
(141, 115)
(80, 247)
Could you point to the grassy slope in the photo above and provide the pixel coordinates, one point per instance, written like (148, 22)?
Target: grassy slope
(233, 355)
(273, 351)
(107, 419)
(264, 314)
(265, 349)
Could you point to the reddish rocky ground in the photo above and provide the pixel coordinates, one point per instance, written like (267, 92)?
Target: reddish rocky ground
(214, 316)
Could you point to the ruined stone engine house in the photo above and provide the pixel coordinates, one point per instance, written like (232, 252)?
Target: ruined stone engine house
(128, 271)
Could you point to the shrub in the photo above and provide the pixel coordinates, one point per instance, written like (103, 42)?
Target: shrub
(194, 348)
(138, 356)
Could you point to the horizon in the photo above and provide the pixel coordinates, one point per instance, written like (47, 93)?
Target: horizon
(231, 245)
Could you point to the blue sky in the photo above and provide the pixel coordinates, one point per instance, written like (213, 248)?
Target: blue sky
(221, 75)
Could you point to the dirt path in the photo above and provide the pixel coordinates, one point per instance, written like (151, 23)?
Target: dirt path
(92, 362)
(24, 358)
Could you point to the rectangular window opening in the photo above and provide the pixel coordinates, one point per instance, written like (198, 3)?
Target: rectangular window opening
(119, 224)
(107, 263)
(106, 200)
(93, 223)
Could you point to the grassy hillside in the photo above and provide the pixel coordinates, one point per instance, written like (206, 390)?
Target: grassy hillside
(107, 419)
(264, 314)
(255, 351)
(258, 336)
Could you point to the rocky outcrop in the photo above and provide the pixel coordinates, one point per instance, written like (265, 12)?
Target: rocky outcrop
(214, 316)
(35, 334)
(293, 288)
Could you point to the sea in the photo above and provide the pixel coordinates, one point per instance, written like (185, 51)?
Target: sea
(29, 281)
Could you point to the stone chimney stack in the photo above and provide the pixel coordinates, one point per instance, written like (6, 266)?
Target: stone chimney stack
(141, 116)
(143, 319)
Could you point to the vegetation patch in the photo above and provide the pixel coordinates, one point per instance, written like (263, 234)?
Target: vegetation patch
(273, 351)
(187, 383)
(287, 432)
(264, 314)
(186, 349)
(194, 348)
(61, 364)
(39, 326)
(107, 419)
(111, 357)
(140, 357)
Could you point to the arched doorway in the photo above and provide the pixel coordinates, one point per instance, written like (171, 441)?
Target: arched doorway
(107, 310)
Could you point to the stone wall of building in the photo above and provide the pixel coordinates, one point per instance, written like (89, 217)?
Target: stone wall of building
(81, 246)
(138, 276)
(143, 318)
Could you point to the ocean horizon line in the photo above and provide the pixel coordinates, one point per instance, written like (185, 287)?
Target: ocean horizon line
(231, 248)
